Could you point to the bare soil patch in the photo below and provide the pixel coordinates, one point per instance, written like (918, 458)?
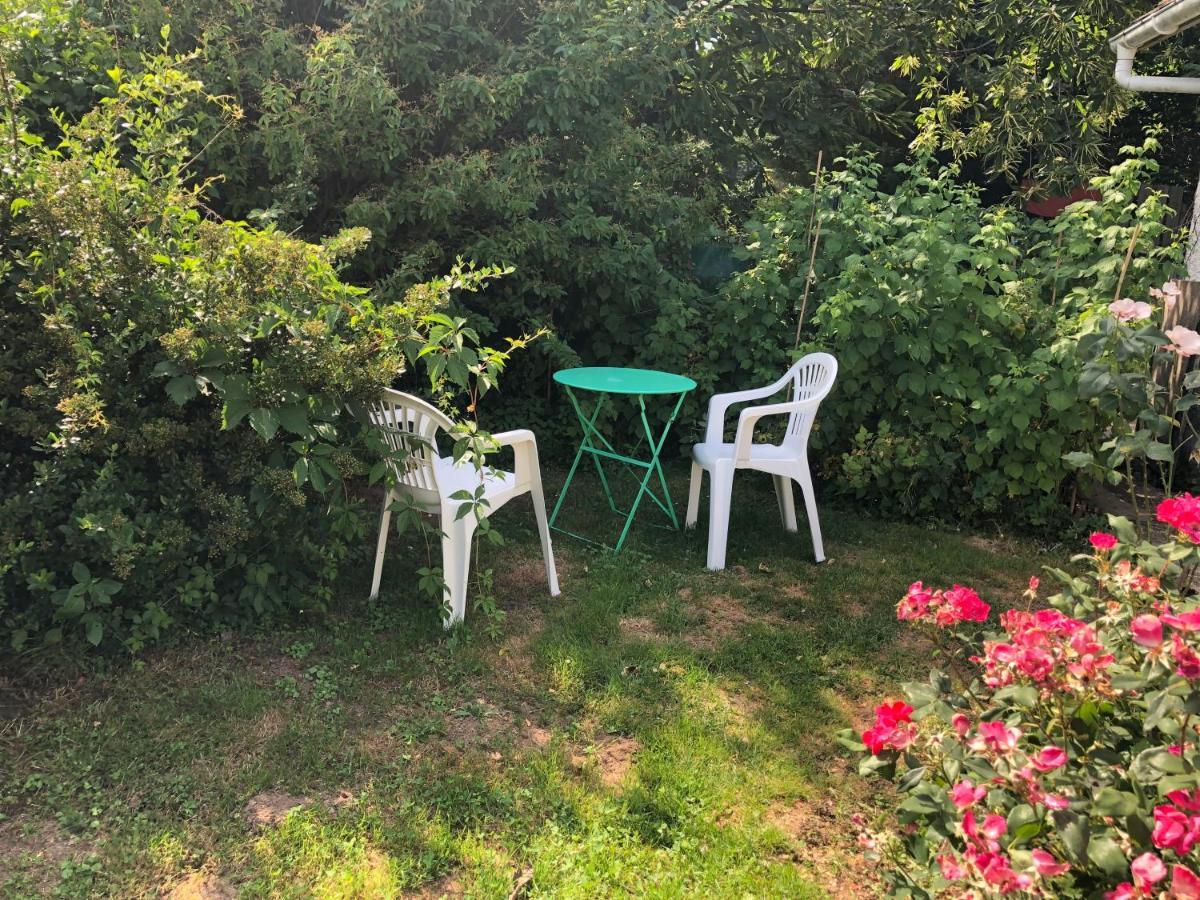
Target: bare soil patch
(448, 886)
(536, 735)
(201, 886)
(479, 726)
(824, 847)
(272, 807)
(724, 617)
(523, 578)
(642, 628)
(44, 846)
(612, 758)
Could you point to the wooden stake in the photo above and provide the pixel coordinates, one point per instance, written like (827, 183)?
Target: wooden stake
(814, 238)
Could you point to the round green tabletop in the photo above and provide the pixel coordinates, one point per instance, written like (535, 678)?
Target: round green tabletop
(618, 380)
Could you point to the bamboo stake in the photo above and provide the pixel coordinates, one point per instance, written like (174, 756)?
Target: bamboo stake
(814, 237)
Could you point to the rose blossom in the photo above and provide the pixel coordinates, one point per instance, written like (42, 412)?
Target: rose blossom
(1102, 541)
(1174, 829)
(1184, 341)
(1185, 621)
(892, 729)
(1048, 759)
(965, 794)
(1047, 865)
(1181, 512)
(952, 869)
(1147, 631)
(1127, 310)
(996, 737)
(1184, 883)
(1148, 869)
(1187, 661)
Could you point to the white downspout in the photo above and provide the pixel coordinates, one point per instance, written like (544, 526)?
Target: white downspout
(1152, 83)
(1169, 20)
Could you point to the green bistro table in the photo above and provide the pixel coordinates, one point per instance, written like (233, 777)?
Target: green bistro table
(602, 381)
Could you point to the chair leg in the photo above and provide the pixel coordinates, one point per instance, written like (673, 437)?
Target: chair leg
(539, 512)
(385, 519)
(693, 507)
(787, 503)
(810, 505)
(456, 567)
(720, 495)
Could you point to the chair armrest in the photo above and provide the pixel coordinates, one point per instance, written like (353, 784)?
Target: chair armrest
(751, 414)
(525, 454)
(718, 406)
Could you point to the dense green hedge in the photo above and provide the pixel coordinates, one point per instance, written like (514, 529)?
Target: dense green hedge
(179, 338)
(954, 325)
(175, 389)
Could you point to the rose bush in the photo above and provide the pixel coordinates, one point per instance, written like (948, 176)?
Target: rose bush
(1056, 755)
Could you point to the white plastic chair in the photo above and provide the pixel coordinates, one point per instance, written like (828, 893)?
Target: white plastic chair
(810, 380)
(429, 480)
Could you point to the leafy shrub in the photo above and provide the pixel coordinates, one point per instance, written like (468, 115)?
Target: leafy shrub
(175, 389)
(1057, 756)
(954, 325)
(1137, 376)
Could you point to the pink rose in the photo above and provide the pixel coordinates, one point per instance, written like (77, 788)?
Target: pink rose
(893, 713)
(1187, 661)
(952, 869)
(965, 604)
(961, 724)
(1173, 830)
(914, 604)
(1123, 891)
(1184, 884)
(965, 794)
(1046, 865)
(1148, 869)
(997, 737)
(1127, 310)
(1048, 759)
(1181, 512)
(994, 826)
(1102, 541)
(1187, 621)
(1184, 341)
(1147, 631)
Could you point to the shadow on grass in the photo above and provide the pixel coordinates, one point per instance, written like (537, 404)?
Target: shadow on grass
(482, 763)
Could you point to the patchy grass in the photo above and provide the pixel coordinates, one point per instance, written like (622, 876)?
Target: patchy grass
(658, 730)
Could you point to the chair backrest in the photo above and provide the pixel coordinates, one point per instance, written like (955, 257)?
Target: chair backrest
(812, 379)
(409, 424)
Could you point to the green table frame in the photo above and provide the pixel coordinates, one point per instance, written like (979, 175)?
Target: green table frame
(609, 380)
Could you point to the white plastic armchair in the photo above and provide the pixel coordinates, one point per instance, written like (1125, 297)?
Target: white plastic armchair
(809, 381)
(430, 481)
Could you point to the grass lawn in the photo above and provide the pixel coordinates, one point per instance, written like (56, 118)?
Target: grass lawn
(658, 730)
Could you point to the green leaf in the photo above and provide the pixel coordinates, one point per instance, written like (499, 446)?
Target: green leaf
(81, 573)
(1112, 802)
(1105, 853)
(317, 477)
(182, 388)
(1074, 831)
(294, 418)
(95, 632)
(1160, 452)
(234, 410)
(1078, 459)
(264, 422)
(300, 472)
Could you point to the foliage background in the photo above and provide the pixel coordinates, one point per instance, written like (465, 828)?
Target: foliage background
(641, 172)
